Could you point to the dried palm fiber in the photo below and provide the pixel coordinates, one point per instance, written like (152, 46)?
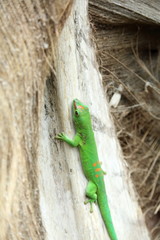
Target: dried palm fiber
(27, 33)
(129, 58)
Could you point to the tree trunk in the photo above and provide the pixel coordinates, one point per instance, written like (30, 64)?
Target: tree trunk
(62, 182)
(42, 183)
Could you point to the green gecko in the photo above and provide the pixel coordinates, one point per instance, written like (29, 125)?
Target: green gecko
(85, 141)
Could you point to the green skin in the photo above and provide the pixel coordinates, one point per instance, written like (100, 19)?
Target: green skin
(85, 141)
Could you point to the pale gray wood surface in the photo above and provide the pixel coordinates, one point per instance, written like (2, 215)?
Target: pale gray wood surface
(62, 183)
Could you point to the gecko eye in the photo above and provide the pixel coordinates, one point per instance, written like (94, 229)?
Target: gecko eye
(76, 113)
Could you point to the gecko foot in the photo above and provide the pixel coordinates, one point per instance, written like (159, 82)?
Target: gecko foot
(91, 201)
(61, 136)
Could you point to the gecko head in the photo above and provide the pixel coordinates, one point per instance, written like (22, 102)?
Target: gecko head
(81, 115)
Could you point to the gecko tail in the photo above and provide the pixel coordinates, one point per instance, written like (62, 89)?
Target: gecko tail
(106, 215)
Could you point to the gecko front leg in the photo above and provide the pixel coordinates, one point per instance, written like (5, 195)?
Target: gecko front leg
(72, 142)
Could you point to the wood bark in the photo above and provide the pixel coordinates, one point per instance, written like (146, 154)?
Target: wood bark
(42, 183)
(25, 56)
(128, 51)
(146, 12)
(63, 212)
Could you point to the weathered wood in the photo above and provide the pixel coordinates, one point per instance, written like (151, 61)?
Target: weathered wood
(127, 11)
(27, 31)
(62, 183)
(129, 56)
(41, 181)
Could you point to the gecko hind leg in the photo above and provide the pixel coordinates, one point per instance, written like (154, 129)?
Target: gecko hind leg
(91, 194)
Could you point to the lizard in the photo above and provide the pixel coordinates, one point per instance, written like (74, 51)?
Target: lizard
(84, 139)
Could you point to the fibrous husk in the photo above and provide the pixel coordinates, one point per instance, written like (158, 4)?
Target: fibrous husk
(129, 58)
(28, 30)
